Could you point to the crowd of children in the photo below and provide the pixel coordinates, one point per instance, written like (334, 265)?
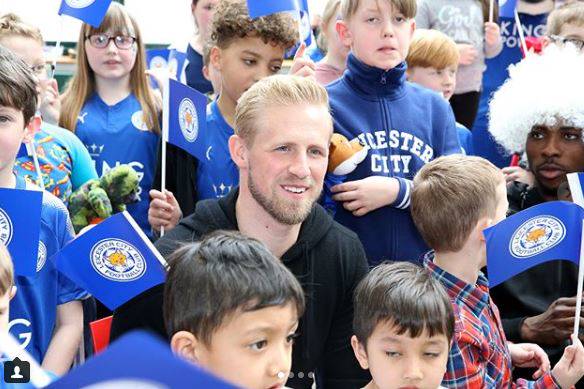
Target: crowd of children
(266, 287)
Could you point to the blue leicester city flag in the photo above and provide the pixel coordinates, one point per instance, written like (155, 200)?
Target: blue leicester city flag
(156, 59)
(20, 225)
(257, 8)
(177, 62)
(184, 118)
(575, 180)
(114, 261)
(24, 150)
(507, 8)
(89, 11)
(543, 233)
(138, 360)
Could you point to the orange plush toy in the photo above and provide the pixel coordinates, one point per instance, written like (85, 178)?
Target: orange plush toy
(344, 156)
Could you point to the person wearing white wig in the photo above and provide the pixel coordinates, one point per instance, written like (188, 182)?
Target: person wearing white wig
(539, 111)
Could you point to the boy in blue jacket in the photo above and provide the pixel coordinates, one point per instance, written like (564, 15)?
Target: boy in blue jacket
(404, 126)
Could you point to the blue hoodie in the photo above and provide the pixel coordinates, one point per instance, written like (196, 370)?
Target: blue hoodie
(405, 126)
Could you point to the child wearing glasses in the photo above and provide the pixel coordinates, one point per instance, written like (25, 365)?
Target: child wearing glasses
(109, 103)
(565, 25)
(64, 162)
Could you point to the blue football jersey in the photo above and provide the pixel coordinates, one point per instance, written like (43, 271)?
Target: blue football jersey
(116, 135)
(33, 309)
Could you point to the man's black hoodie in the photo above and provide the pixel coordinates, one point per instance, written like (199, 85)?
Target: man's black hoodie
(327, 259)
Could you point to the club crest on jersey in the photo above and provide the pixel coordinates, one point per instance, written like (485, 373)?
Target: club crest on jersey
(117, 260)
(41, 257)
(79, 3)
(5, 228)
(138, 121)
(188, 119)
(536, 235)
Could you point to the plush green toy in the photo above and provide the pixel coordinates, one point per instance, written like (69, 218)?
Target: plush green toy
(98, 199)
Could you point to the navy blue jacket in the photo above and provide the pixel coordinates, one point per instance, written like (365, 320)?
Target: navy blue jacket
(404, 126)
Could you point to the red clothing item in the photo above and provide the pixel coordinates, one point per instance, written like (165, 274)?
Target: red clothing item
(479, 356)
(325, 73)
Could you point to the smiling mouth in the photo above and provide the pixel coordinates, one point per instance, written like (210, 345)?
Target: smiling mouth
(294, 189)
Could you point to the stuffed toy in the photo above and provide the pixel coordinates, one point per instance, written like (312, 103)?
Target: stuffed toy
(98, 199)
(344, 156)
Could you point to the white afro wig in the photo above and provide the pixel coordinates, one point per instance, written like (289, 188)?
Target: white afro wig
(540, 90)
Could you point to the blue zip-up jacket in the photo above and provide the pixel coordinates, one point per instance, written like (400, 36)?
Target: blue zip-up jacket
(404, 126)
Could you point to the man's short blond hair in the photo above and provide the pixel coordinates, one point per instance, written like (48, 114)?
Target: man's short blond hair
(407, 7)
(278, 91)
(6, 271)
(572, 13)
(432, 49)
(450, 195)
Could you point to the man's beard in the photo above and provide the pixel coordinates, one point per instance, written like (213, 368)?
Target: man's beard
(285, 212)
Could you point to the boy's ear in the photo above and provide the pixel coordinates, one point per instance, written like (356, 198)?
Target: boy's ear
(185, 345)
(238, 151)
(206, 73)
(412, 28)
(360, 352)
(344, 33)
(482, 225)
(215, 57)
(33, 126)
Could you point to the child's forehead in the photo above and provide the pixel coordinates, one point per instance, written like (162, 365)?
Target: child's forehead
(573, 30)
(383, 6)
(279, 318)
(388, 332)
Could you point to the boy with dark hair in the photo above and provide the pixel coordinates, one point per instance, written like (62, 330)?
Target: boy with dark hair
(231, 307)
(404, 126)
(45, 313)
(454, 200)
(243, 51)
(403, 326)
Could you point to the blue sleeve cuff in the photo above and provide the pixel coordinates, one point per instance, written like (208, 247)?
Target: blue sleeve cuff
(403, 198)
(327, 201)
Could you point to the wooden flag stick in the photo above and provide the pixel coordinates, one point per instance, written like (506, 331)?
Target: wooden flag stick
(165, 131)
(580, 280)
(578, 198)
(520, 32)
(37, 166)
(491, 10)
(56, 49)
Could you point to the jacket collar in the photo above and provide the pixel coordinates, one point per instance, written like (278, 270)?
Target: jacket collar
(369, 80)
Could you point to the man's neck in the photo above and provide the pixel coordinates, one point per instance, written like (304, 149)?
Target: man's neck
(255, 222)
(227, 108)
(546, 195)
(112, 91)
(7, 179)
(464, 264)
